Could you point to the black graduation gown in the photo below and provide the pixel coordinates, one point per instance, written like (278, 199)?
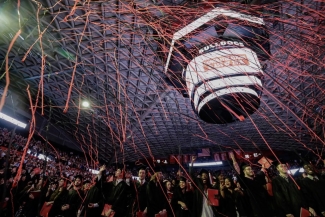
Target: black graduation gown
(242, 204)
(58, 197)
(141, 196)
(314, 192)
(256, 194)
(185, 198)
(93, 196)
(74, 199)
(114, 195)
(227, 203)
(130, 199)
(30, 205)
(156, 200)
(2, 200)
(288, 198)
(198, 194)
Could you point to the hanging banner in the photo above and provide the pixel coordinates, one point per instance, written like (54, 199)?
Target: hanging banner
(179, 159)
(172, 159)
(186, 159)
(224, 156)
(238, 153)
(231, 155)
(216, 157)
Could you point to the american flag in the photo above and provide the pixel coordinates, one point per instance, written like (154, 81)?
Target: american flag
(204, 152)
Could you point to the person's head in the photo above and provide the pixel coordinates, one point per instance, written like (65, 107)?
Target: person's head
(119, 173)
(248, 171)
(39, 181)
(87, 185)
(173, 182)
(54, 185)
(158, 173)
(142, 173)
(309, 170)
(228, 182)
(61, 183)
(282, 168)
(182, 183)
(168, 185)
(78, 181)
(220, 177)
(14, 169)
(204, 176)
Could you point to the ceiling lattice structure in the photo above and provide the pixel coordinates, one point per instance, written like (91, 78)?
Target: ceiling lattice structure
(106, 52)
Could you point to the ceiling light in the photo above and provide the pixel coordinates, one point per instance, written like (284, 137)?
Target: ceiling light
(207, 164)
(12, 120)
(85, 104)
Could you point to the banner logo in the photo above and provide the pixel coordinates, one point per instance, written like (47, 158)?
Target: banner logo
(225, 61)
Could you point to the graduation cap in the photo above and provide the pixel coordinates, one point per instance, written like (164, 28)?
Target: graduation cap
(79, 177)
(244, 166)
(157, 169)
(87, 181)
(182, 179)
(277, 163)
(142, 168)
(217, 173)
(204, 171)
(120, 166)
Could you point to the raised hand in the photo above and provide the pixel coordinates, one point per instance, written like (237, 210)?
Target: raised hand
(102, 168)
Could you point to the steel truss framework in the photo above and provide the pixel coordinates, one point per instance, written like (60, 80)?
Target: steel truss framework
(108, 53)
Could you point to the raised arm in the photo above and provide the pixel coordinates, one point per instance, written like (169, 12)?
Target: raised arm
(191, 172)
(234, 162)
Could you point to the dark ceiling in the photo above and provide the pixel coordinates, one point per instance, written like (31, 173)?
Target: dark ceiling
(106, 52)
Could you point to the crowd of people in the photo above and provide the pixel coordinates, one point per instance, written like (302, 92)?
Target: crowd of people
(65, 187)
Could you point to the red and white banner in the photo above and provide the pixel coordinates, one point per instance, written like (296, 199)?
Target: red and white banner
(216, 157)
(224, 156)
(186, 159)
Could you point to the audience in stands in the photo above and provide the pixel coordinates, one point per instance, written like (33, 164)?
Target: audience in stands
(64, 186)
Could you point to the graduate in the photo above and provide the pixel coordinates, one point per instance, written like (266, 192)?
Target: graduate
(254, 188)
(114, 192)
(228, 194)
(73, 199)
(288, 198)
(201, 205)
(141, 191)
(313, 189)
(56, 198)
(156, 199)
(91, 205)
(182, 199)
